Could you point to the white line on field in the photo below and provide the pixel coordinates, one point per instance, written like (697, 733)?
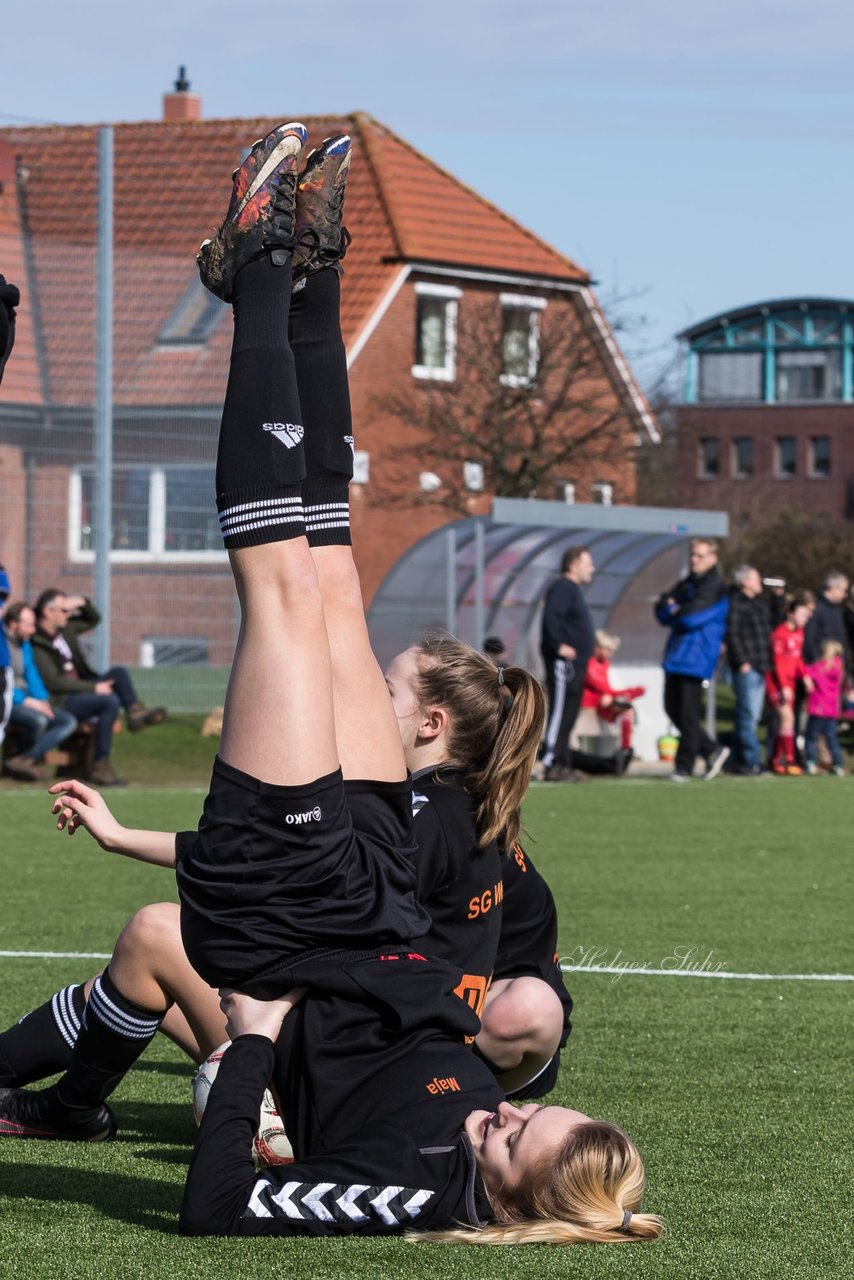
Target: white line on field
(56, 955)
(623, 970)
(620, 970)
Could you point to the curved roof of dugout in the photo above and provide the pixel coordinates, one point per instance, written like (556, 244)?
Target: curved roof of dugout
(482, 577)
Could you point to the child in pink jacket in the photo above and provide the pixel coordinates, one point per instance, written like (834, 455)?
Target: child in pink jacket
(824, 681)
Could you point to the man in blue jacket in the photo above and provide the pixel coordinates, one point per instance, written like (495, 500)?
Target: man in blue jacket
(696, 611)
(41, 726)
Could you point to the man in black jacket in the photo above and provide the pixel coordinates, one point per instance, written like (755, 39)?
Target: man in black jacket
(828, 622)
(567, 645)
(749, 650)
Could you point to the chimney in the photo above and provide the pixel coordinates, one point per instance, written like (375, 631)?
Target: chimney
(182, 105)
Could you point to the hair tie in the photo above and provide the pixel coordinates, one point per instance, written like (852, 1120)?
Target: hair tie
(501, 677)
(627, 1217)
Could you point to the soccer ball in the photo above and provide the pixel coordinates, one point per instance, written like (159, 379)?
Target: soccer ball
(271, 1145)
(204, 1078)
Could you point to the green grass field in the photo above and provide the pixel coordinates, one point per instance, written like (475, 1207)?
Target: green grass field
(736, 1090)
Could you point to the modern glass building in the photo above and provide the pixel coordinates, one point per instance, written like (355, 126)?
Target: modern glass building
(768, 408)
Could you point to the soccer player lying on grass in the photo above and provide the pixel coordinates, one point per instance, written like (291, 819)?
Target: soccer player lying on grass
(301, 876)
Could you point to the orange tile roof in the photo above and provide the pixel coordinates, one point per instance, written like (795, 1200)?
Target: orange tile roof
(172, 182)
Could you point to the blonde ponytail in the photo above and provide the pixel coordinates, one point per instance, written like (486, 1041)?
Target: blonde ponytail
(589, 1193)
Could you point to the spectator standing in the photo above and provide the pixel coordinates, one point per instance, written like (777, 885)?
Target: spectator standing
(781, 683)
(748, 643)
(42, 726)
(828, 621)
(5, 669)
(696, 611)
(825, 694)
(567, 641)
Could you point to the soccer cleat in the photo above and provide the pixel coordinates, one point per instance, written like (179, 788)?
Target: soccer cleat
(794, 770)
(24, 1114)
(261, 214)
(321, 241)
(780, 767)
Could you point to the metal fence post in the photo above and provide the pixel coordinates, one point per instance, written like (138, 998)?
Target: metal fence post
(104, 398)
(479, 584)
(451, 580)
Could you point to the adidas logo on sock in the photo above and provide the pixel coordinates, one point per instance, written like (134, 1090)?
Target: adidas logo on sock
(288, 433)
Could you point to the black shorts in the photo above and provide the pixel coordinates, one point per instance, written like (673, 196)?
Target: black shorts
(282, 884)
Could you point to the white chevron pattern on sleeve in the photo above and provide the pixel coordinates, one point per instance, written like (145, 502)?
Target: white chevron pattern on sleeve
(347, 1202)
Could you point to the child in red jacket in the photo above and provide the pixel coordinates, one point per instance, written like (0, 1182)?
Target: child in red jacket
(613, 705)
(787, 668)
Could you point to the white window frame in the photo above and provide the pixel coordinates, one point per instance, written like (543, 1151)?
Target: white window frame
(534, 306)
(156, 553)
(451, 295)
(603, 492)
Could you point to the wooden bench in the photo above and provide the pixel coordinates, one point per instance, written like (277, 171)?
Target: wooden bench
(72, 758)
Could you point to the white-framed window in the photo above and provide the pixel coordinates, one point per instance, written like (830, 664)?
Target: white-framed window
(603, 493)
(567, 492)
(436, 331)
(473, 478)
(162, 513)
(520, 338)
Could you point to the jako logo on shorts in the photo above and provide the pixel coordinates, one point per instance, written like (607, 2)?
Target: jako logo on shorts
(313, 815)
(287, 433)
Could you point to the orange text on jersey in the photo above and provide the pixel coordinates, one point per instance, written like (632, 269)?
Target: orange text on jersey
(483, 902)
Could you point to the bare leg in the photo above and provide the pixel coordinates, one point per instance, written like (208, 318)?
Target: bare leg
(366, 729)
(150, 967)
(521, 1028)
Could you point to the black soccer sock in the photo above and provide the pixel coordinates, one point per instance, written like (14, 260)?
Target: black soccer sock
(260, 460)
(321, 368)
(113, 1034)
(41, 1043)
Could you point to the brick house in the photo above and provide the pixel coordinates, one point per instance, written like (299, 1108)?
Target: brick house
(768, 409)
(427, 255)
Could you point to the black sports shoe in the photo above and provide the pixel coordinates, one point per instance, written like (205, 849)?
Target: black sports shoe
(28, 1114)
(321, 241)
(261, 214)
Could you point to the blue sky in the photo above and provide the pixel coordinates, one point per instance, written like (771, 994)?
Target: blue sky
(692, 157)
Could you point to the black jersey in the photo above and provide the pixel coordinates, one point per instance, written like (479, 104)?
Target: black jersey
(528, 942)
(374, 1094)
(459, 884)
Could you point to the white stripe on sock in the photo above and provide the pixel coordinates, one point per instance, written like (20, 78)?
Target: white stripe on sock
(261, 502)
(119, 1020)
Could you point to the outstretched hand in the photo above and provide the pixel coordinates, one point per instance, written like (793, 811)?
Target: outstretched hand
(80, 806)
(247, 1016)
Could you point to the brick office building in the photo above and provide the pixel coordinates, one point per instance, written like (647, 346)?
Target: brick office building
(767, 421)
(428, 255)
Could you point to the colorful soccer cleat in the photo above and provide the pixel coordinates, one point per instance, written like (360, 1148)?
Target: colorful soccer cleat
(28, 1114)
(321, 241)
(261, 214)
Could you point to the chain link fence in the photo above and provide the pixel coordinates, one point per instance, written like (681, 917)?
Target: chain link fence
(109, 411)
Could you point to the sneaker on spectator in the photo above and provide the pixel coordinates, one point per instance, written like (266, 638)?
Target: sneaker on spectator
(715, 763)
(25, 769)
(839, 771)
(103, 775)
(812, 769)
(680, 777)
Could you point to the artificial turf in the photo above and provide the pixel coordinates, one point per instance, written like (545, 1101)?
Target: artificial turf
(737, 1091)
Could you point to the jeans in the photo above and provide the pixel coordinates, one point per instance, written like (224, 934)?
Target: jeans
(103, 707)
(41, 733)
(122, 685)
(749, 689)
(822, 726)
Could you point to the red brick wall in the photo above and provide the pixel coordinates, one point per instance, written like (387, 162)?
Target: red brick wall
(765, 492)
